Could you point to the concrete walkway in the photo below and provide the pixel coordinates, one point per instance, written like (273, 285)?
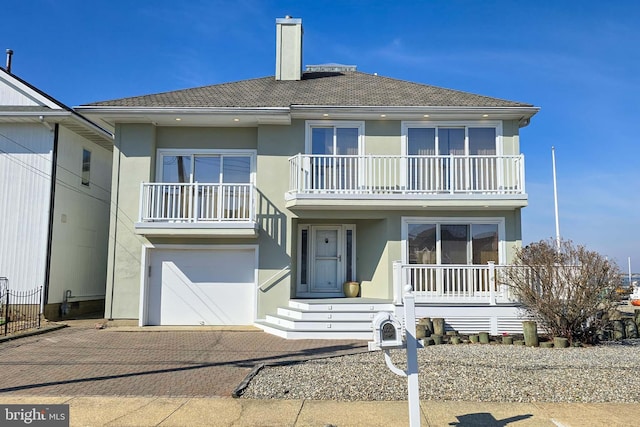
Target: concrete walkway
(211, 412)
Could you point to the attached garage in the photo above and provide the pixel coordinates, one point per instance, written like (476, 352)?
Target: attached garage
(201, 286)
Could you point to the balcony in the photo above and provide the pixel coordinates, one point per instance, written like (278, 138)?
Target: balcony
(457, 284)
(373, 182)
(197, 209)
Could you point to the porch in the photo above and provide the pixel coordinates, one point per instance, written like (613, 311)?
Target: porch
(468, 297)
(421, 179)
(211, 209)
(452, 284)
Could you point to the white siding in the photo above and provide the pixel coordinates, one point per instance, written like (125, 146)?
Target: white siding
(25, 181)
(80, 221)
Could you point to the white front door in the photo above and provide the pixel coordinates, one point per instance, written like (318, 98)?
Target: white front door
(328, 271)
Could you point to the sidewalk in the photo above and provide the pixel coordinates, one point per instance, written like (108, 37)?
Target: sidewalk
(158, 411)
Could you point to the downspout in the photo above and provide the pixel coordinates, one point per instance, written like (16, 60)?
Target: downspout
(52, 194)
(115, 235)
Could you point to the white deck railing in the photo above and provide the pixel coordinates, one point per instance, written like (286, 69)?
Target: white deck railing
(451, 283)
(371, 174)
(197, 202)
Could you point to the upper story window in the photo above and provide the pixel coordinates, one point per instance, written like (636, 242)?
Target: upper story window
(235, 167)
(334, 138)
(451, 139)
(86, 167)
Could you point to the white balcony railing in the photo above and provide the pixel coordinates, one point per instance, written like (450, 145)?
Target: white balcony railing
(369, 174)
(452, 283)
(197, 202)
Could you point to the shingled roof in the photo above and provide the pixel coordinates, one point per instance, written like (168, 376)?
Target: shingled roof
(350, 88)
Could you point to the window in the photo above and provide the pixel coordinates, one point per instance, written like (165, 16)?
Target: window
(208, 185)
(86, 167)
(452, 241)
(206, 168)
(333, 149)
(451, 157)
(428, 139)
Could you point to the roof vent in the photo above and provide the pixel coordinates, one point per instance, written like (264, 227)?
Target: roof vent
(9, 55)
(330, 67)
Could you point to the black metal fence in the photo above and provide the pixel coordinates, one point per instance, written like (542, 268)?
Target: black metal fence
(19, 310)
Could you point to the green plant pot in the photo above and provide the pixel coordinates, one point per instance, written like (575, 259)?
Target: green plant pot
(560, 342)
(455, 340)
(437, 339)
(484, 337)
(518, 342)
(474, 339)
(546, 344)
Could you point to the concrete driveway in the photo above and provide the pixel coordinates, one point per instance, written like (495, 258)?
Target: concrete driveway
(84, 361)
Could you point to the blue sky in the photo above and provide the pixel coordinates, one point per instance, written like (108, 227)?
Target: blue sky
(577, 60)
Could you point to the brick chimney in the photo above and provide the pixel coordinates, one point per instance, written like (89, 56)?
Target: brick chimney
(288, 48)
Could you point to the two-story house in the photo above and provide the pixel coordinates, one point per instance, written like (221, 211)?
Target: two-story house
(252, 202)
(55, 191)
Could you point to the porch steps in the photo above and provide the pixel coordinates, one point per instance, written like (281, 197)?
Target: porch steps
(325, 319)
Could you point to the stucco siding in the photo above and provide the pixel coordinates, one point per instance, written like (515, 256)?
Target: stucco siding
(133, 159)
(275, 145)
(206, 138)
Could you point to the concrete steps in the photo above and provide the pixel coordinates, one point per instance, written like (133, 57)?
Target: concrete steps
(345, 318)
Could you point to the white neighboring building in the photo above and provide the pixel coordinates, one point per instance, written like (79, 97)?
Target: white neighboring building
(55, 179)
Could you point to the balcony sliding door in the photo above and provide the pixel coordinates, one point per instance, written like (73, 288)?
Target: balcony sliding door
(451, 158)
(334, 164)
(443, 255)
(206, 187)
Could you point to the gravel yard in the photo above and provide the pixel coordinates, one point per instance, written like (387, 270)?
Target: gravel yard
(465, 372)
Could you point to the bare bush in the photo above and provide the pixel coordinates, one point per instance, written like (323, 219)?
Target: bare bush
(570, 291)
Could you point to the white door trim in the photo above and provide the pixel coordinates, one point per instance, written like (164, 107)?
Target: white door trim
(146, 262)
(340, 266)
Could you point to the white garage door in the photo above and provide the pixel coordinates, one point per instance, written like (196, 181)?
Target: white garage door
(201, 287)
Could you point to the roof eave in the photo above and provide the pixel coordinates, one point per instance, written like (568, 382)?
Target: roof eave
(185, 116)
(414, 112)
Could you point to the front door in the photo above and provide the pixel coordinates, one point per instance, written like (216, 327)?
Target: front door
(327, 260)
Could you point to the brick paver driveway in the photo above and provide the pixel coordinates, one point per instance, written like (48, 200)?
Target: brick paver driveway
(82, 361)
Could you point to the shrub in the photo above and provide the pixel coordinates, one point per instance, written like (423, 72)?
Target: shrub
(570, 291)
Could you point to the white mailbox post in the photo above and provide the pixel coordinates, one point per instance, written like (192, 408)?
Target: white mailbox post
(387, 334)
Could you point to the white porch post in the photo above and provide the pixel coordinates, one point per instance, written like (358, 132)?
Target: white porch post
(412, 357)
(492, 283)
(397, 282)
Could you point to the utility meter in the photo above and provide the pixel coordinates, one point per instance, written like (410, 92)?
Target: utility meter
(387, 332)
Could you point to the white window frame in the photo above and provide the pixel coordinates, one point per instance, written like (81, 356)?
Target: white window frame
(86, 183)
(497, 125)
(500, 221)
(309, 124)
(204, 152)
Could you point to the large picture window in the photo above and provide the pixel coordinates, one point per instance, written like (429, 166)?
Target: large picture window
(206, 168)
(459, 140)
(451, 157)
(209, 185)
(457, 242)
